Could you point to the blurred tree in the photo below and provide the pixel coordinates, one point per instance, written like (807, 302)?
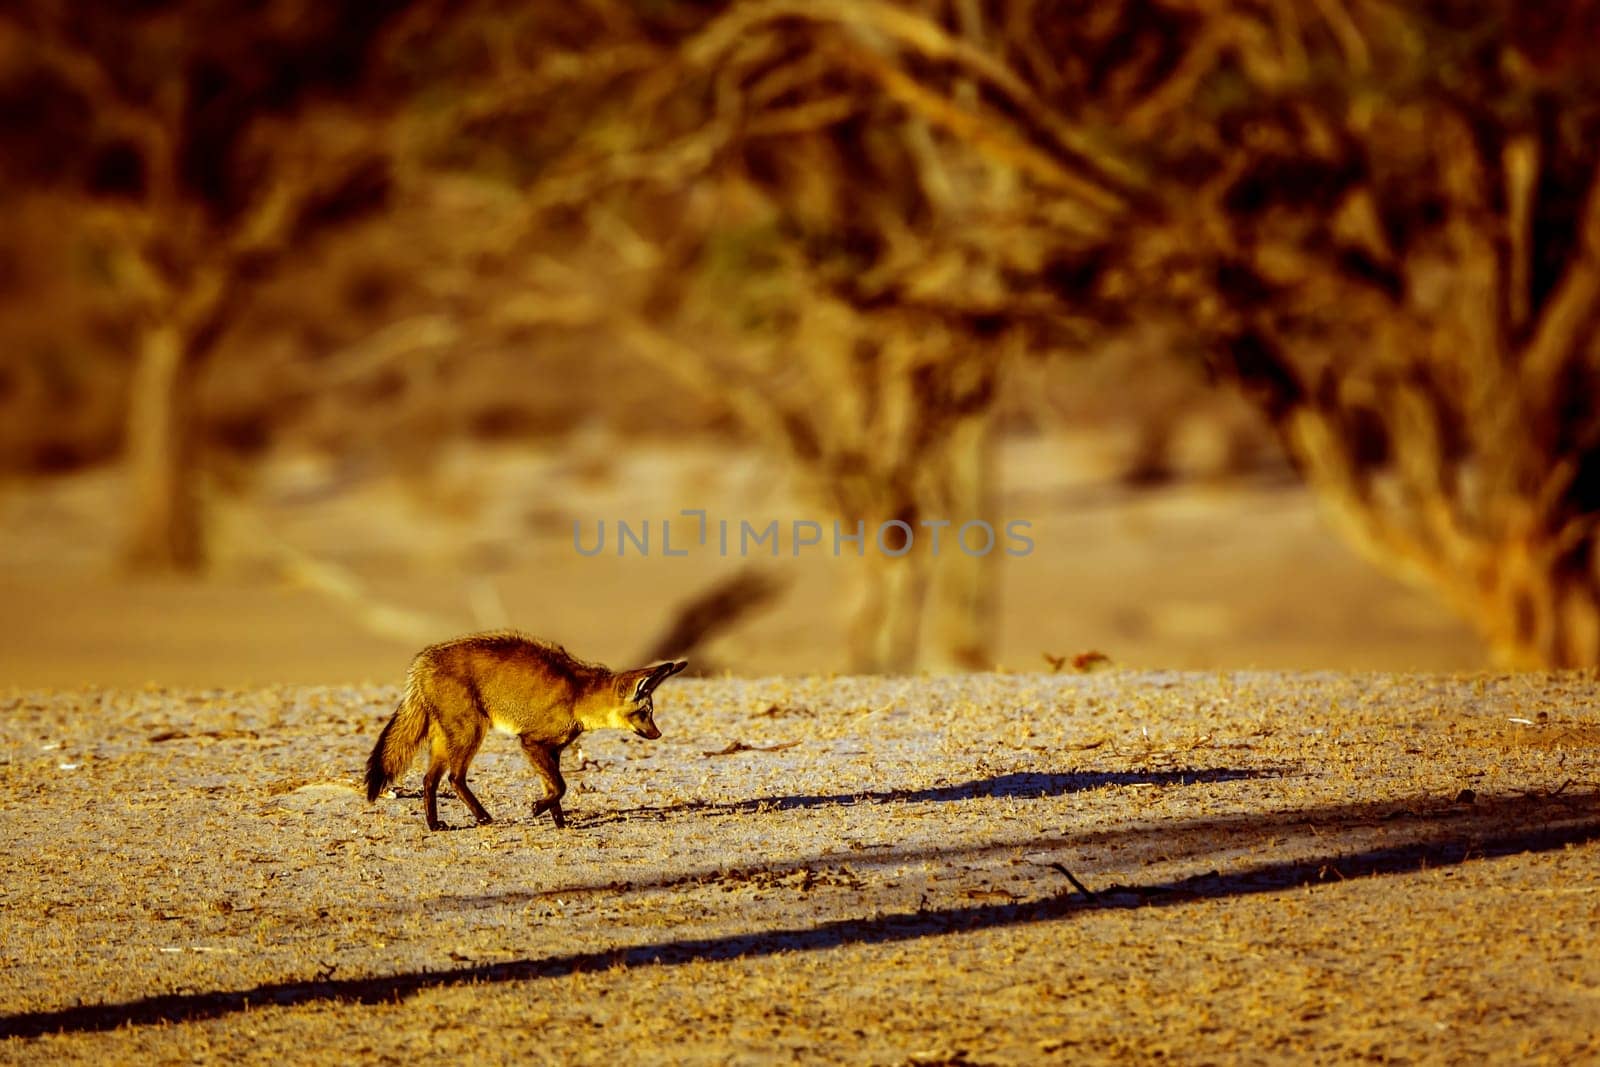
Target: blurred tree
(739, 205)
(1380, 219)
(1388, 231)
(841, 218)
(205, 140)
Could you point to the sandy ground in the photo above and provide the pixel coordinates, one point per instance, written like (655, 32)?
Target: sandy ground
(1191, 576)
(1115, 867)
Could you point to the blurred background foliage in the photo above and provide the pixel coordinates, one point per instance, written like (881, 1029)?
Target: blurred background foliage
(874, 243)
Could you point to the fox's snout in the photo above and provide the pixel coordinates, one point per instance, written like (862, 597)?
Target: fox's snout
(647, 730)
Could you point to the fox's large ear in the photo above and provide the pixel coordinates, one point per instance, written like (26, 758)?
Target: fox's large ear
(658, 674)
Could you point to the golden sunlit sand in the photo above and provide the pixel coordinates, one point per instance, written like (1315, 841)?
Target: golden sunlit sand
(1195, 575)
(983, 869)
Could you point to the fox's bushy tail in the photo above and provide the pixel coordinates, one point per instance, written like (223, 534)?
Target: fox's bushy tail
(398, 743)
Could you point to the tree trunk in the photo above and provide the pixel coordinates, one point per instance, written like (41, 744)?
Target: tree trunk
(885, 626)
(1543, 613)
(166, 533)
(963, 601)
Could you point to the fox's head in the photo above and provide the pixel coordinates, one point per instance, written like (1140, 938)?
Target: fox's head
(633, 709)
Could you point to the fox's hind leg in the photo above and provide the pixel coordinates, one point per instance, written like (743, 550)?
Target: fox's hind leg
(451, 751)
(458, 779)
(430, 790)
(547, 762)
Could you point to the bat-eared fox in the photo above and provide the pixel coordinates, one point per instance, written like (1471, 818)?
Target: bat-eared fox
(458, 689)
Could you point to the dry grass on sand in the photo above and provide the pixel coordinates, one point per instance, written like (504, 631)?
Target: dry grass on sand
(984, 869)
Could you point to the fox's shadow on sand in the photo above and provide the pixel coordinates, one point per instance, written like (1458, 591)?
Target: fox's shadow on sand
(1020, 785)
(1423, 832)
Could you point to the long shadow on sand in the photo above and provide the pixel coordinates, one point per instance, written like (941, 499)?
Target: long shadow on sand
(1517, 825)
(1018, 784)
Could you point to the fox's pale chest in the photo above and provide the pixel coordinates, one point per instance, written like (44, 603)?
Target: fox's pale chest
(560, 738)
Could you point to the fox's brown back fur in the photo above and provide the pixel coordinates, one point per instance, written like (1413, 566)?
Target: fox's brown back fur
(456, 691)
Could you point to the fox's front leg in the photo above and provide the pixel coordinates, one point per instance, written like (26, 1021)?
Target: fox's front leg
(546, 761)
